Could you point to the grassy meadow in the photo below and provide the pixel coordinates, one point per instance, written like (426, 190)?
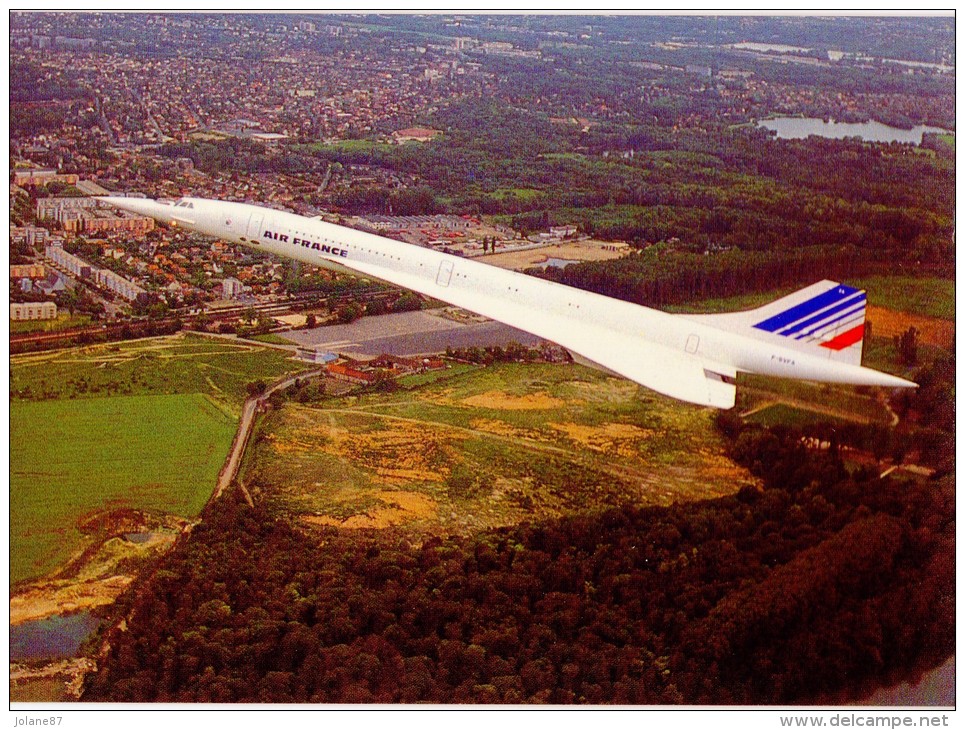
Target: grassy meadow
(487, 447)
(179, 364)
(71, 460)
(923, 296)
(142, 425)
(927, 297)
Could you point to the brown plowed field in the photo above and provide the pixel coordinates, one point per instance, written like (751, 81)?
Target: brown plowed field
(932, 331)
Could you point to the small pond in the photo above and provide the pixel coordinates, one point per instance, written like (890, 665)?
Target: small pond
(557, 263)
(54, 637)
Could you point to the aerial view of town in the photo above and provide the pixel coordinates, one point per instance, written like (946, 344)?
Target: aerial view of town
(258, 456)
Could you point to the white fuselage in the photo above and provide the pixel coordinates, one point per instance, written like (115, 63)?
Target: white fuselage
(583, 322)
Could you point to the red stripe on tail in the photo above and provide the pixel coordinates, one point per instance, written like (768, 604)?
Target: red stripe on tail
(845, 339)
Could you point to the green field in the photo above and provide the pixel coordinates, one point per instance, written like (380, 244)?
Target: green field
(272, 339)
(826, 401)
(524, 194)
(788, 416)
(72, 459)
(730, 304)
(928, 297)
(345, 146)
(221, 368)
(144, 424)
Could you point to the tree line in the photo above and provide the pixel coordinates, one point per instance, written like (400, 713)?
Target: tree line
(662, 276)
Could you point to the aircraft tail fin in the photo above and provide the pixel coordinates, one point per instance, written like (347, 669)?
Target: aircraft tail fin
(826, 318)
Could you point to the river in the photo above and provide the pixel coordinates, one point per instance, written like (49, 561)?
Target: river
(802, 127)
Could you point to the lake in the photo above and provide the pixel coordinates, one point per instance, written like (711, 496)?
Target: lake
(54, 637)
(769, 47)
(802, 127)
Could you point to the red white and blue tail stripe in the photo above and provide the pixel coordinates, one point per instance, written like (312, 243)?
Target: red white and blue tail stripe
(832, 319)
(824, 319)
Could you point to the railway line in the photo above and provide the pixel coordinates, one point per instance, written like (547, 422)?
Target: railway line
(22, 342)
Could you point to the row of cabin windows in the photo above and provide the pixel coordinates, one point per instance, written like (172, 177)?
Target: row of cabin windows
(457, 275)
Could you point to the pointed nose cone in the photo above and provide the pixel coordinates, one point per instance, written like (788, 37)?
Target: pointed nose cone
(141, 206)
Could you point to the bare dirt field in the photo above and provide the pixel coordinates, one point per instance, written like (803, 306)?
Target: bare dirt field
(588, 250)
(46, 599)
(506, 402)
(399, 507)
(931, 330)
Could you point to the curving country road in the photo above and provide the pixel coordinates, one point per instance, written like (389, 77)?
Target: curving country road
(248, 412)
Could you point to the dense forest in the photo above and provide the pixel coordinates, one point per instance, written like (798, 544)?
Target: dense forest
(818, 588)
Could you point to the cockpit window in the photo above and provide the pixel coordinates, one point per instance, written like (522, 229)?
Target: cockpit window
(184, 204)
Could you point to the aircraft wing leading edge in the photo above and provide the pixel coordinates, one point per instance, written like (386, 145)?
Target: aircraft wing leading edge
(669, 372)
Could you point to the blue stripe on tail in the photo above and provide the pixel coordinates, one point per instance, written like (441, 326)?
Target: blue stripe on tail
(825, 316)
(805, 309)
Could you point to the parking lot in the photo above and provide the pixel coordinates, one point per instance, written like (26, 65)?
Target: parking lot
(406, 334)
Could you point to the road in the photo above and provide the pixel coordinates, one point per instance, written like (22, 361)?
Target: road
(248, 412)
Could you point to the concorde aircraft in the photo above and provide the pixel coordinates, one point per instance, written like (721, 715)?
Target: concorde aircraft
(814, 334)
